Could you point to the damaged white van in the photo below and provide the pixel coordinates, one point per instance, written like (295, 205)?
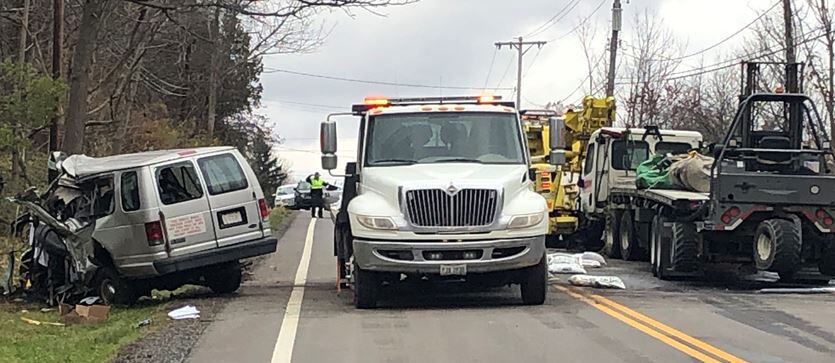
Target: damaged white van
(161, 219)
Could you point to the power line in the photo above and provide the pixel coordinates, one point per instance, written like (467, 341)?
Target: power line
(733, 62)
(384, 83)
(562, 13)
(490, 71)
(506, 70)
(581, 23)
(535, 56)
(725, 39)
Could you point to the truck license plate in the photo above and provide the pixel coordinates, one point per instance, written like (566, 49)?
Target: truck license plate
(454, 270)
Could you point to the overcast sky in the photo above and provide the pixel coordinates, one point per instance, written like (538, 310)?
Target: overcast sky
(450, 43)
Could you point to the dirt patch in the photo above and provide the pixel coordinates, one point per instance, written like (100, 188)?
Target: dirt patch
(174, 340)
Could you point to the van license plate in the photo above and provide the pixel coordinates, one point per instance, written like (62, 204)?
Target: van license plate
(455, 270)
(232, 218)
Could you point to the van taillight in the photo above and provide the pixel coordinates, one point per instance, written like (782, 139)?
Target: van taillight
(153, 231)
(265, 211)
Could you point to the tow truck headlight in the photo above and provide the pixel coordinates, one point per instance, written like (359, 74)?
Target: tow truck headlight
(376, 222)
(525, 220)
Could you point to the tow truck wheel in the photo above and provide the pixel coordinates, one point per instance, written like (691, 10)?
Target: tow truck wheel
(112, 289)
(629, 249)
(534, 284)
(611, 237)
(777, 244)
(366, 285)
(826, 265)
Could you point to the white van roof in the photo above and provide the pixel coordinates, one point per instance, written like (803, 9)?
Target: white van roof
(80, 166)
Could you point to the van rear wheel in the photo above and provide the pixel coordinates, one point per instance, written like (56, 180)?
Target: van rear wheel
(224, 279)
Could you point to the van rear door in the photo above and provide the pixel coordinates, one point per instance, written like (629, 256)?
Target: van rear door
(232, 198)
(184, 208)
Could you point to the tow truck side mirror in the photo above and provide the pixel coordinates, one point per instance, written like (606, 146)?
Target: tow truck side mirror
(327, 143)
(556, 141)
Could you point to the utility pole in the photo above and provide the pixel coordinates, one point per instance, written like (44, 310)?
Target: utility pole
(57, 52)
(613, 47)
(521, 47)
(791, 57)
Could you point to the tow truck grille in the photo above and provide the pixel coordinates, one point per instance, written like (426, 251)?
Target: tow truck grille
(466, 208)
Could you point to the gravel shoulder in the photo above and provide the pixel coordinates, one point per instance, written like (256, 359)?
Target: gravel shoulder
(172, 341)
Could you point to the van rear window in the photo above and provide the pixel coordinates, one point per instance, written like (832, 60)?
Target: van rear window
(223, 174)
(178, 183)
(130, 191)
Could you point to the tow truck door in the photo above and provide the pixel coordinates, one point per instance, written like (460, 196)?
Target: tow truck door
(590, 178)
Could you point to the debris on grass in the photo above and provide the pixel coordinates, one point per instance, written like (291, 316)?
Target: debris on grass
(142, 323)
(602, 282)
(37, 322)
(185, 312)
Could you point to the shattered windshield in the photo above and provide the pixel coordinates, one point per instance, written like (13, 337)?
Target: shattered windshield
(488, 138)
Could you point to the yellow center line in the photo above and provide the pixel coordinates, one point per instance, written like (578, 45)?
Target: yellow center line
(669, 330)
(641, 327)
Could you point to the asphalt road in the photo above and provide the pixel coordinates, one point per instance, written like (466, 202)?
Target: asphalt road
(274, 319)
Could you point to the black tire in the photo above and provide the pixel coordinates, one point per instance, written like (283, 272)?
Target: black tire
(534, 284)
(593, 236)
(659, 250)
(611, 234)
(777, 247)
(366, 288)
(552, 241)
(113, 289)
(826, 264)
(629, 248)
(224, 279)
(685, 247)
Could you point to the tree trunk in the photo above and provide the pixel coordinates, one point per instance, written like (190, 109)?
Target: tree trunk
(789, 33)
(24, 31)
(213, 75)
(76, 116)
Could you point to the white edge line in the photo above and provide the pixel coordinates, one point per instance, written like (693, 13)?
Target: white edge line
(283, 351)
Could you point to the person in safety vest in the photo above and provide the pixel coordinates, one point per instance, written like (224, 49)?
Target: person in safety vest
(317, 198)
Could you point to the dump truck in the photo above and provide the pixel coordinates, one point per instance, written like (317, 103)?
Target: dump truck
(769, 202)
(440, 192)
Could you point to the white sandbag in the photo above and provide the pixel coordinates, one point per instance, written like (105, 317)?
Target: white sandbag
(592, 256)
(591, 263)
(604, 282)
(563, 263)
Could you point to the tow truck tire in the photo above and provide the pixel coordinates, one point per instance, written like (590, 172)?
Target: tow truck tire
(826, 264)
(659, 250)
(534, 283)
(225, 279)
(685, 247)
(611, 235)
(366, 286)
(629, 248)
(113, 289)
(777, 247)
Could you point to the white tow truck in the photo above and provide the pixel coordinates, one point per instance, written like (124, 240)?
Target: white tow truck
(440, 191)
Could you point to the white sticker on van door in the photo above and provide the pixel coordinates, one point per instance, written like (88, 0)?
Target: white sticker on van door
(185, 226)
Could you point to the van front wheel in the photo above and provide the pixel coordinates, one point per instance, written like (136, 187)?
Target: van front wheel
(224, 279)
(113, 289)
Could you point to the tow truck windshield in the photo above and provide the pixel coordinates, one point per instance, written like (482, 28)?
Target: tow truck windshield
(468, 137)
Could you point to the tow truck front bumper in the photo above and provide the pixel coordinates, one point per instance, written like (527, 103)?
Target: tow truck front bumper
(427, 257)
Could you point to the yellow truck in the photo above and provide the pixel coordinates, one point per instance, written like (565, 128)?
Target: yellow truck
(559, 183)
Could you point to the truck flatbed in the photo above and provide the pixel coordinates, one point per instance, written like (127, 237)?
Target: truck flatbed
(671, 197)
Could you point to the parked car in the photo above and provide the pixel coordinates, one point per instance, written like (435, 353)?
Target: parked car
(285, 196)
(158, 219)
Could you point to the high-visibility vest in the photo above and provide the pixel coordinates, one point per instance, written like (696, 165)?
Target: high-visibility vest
(317, 183)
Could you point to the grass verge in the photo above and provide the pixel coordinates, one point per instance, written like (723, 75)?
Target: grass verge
(23, 342)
